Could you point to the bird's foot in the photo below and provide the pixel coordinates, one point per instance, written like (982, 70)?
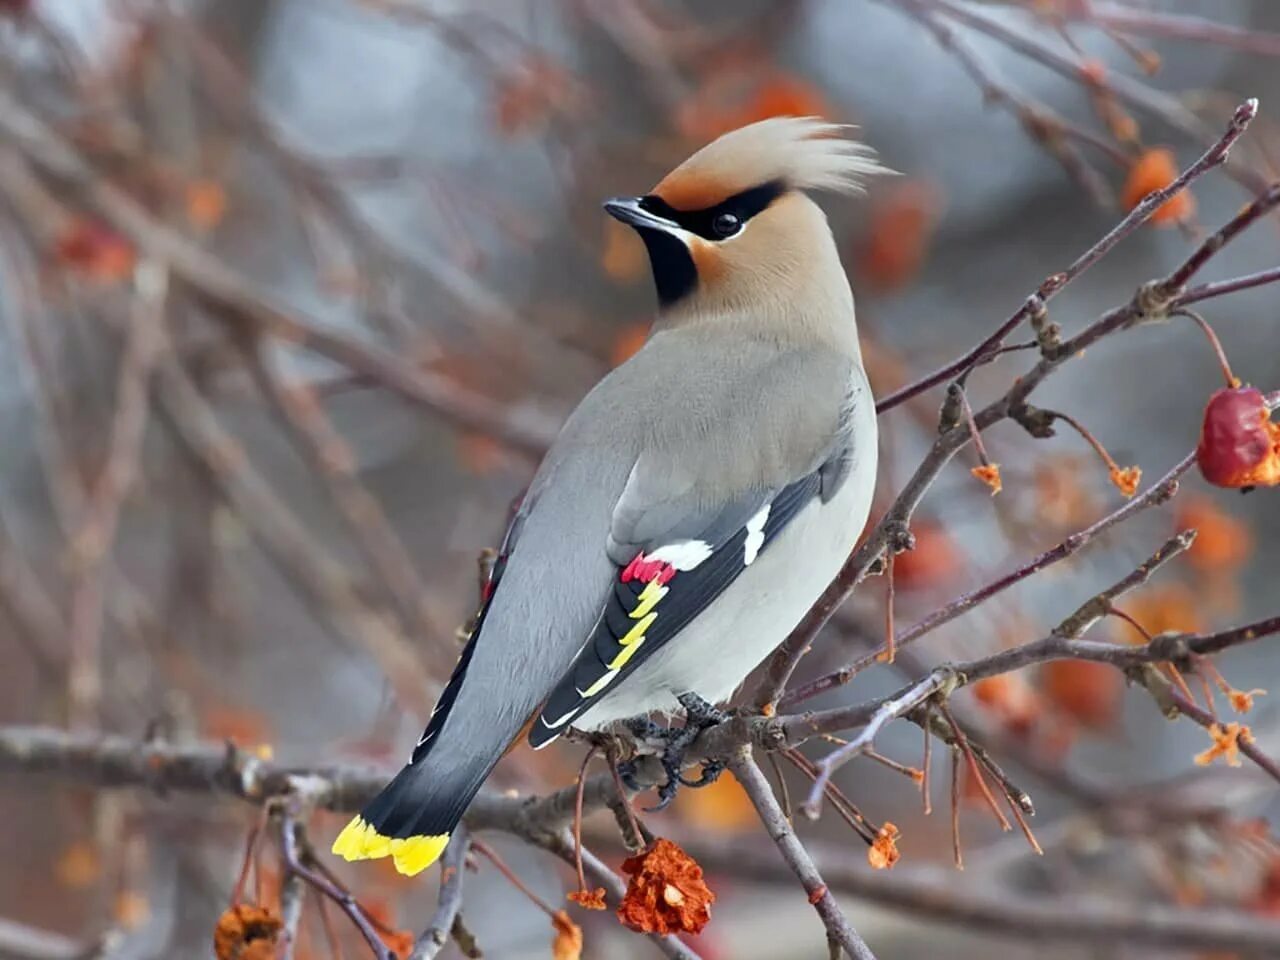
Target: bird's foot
(699, 716)
(700, 713)
(710, 773)
(644, 729)
(645, 732)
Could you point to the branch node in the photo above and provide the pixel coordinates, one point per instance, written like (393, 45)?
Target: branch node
(1038, 423)
(1048, 334)
(1152, 301)
(952, 404)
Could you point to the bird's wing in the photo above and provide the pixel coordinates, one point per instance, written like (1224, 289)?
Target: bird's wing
(676, 547)
(450, 692)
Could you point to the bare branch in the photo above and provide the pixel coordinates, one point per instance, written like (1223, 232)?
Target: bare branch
(452, 869)
(756, 784)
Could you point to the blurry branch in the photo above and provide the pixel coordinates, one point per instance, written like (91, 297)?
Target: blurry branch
(1034, 308)
(382, 263)
(323, 449)
(242, 304)
(1116, 86)
(18, 941)
(56, 426)
(198, 428)
(118, 762)
(933, 894)
(1178, 26)
(97, 532)
(284, 537)
(32, 612)
(1041, 124)
(1151, 301)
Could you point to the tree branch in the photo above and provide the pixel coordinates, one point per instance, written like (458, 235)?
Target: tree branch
(756, 785)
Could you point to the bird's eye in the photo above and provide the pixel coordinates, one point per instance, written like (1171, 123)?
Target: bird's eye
(726, 225)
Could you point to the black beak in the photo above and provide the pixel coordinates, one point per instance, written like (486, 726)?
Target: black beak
(629, 211)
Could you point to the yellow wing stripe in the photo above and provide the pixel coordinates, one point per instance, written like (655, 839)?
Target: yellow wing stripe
(600, 684)
(361, 841)
(626, 654)
(636, 633)
(648, 599)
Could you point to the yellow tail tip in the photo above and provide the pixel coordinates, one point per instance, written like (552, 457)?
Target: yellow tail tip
(359, 840)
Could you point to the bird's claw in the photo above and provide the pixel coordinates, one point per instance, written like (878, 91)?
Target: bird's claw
(710, 774)
(672, 760)
(699, 716)
(627, 774)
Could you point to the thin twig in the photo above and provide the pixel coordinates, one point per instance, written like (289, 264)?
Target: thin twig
(295, 852)
(757, 788)
(452, 869)
(1158, 493)
(938, 681)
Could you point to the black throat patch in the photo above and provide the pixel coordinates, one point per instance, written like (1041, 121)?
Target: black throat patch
(674, 274)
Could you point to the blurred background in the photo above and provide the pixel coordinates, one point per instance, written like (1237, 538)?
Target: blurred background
(261, 417)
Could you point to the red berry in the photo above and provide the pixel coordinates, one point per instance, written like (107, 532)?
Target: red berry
(1239, 445)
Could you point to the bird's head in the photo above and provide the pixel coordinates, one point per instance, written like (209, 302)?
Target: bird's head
(731, 228)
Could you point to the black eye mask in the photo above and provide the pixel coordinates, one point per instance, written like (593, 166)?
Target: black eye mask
(725, 219)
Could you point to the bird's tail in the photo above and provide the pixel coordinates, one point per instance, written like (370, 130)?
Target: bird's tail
(411, 819)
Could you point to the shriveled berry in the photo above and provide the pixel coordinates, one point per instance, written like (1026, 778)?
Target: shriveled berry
(1239, 445)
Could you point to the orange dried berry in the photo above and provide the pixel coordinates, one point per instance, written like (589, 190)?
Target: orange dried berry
(622, 255)
(588, 899)
(1126, 479)
(245, 932)
(1239, 445)
(1010, 697)
(665, 891)
(898, 234)
(1154, 170)
(1093, 72)
(1222, 542)
(206, 203)
(720, 807)
(95, 250)
(526, 96)
(989, 473)
(1267, 899)
(132, 909)
(883, 853)
(568, 942)
(1164, 608)
(1226, 744)
(783, 95)
(1085, 690)
(933, 560)
(78, 866)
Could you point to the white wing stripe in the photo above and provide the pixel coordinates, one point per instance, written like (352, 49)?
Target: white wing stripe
(755, 535)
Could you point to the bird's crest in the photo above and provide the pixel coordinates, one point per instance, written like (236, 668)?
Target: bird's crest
(803, 153)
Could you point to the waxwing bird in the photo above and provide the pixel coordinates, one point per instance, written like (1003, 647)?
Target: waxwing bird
(697, 501)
